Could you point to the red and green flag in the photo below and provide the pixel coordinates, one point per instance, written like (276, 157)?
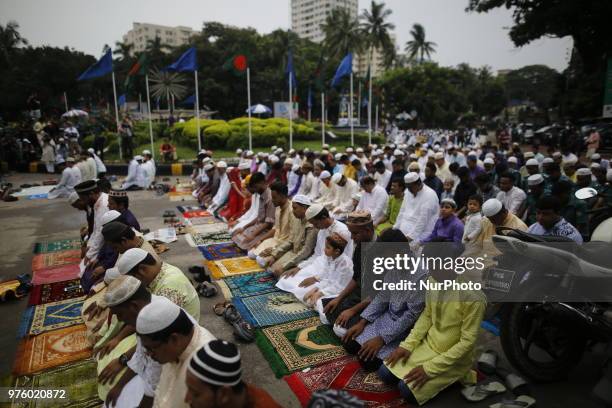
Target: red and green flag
(238, 64)
(139, 68)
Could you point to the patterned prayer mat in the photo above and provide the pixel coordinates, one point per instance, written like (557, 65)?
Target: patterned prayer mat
(196, 213)
(55, 246)
(224, 268)
(55, 259)
(56, 315)
(297, 345)
(222, 250)
(78, 379)
(180, 196)
(204, 221)
(54, 292)
(51, 349)
(272, 308)
(345, 373)
(214, 228)
(186, 208)
(52, 275)
(248, 285)
(195, 239)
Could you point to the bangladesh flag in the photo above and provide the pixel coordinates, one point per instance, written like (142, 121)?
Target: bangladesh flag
(139, 68)
(238, 64)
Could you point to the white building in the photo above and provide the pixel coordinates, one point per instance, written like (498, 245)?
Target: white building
(141, 33)
(360, 62)
(308, 15)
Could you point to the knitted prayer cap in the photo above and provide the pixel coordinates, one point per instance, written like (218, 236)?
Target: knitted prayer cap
(217, 363)
(117, 193)
(359, 218)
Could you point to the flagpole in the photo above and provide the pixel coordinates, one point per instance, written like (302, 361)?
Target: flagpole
(140, 103)
(370, 109)
(351, 112)
(66, 101)
(197, 108)
(150, 121)
(322, 119)
(376, 123)
(117, 114)
(290, 111)
(359, 105)
(249, 106)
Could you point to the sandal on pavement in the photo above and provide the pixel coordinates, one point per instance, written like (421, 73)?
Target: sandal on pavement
(477, 393)
(523, 401)
(487, 362)
(231, 314)
(219, 308)
(206, 289)
(243, 331)
(516, 384)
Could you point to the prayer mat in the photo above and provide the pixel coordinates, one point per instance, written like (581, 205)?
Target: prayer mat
(223, 250)
(26, 322)
(204, 221)
(224, 268)
(297, 345)
(52, 275)
(56, 315)
(196, 239)
(272, 308)
(55, 259)
(248, 285)
(78, 379)
(178, 196)
(214, 228)
(54, 292)
(56, 246)
(196, 213)
(345, 374)
(185, 208)
(51, 349)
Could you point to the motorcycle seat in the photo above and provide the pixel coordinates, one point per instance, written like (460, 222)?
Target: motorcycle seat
(595, 252)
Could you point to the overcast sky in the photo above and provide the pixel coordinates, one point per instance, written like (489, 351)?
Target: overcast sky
(478, 39)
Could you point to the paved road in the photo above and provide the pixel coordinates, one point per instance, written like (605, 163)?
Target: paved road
(27, 221)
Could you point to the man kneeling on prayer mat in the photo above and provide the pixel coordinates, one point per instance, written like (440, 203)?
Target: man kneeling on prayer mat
(249, 234)
(170, 336)
(440, 347)
(126, 296)
(282, 220)
(214, 379)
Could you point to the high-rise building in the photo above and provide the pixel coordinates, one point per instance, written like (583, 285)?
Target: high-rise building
(141, 33)
(360, 62)
(308, 15)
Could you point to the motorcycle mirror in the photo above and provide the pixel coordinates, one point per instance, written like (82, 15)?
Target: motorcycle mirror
(585, 193)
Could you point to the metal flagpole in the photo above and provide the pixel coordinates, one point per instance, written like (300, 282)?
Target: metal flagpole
(370, 109)
(290, 111)
(359, 105)
(322, 118)
(197, 109)
(150, 121)
(249, 106)
(116, 113)
(140, 103)
(376, 124)
(66, 101)
(351, 112)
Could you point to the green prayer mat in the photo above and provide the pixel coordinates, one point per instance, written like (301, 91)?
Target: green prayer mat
(56, 246)
(296, 345)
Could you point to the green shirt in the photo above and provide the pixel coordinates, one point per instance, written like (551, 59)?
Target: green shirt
(575, 212)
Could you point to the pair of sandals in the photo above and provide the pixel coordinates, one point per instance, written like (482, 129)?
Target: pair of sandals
(243, 330)
(204, 287)
(487, 364)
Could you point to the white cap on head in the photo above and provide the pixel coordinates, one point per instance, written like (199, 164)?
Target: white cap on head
(302, 199)
(313, 211)
(570, 161)
(490, 155)
(324, 151)
(489, 160)
(411, 177)
(148, 152)
(491, 207)
(398, 152)
(325, 146)
(338, 156)
(584, 171)
(289, 161)
(333, 150)
(413, 156)
(73, 198)
(512, 159)
(595, 165)
(109, 216)
(596, 156)
(291, 151)
(295, 168)
(60, 160)
(356, 196)
(209, 166)
(206, 160)
(111, 274)
(349, 150)
(547, 160)
(274, 159)
(532, 162)
(556, 155)
(535, 179)
(222, 164)
(120, 290)
(274, 147)
(306, 150)
(244, 166)
(337, 177)
(138, 157)
(239, 151)
(324, 175)
(249, 153)
(278, 151)
(439, 156)
(91, 150)
(130, 259)
(528, 155)
(157, 315)
(359, 150)
(414, 166)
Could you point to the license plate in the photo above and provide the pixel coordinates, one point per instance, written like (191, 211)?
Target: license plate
(499, 279)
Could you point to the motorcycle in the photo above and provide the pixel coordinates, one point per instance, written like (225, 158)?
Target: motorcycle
(553, 296)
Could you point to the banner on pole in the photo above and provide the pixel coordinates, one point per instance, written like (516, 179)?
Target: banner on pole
(607, 105)
(281, 110)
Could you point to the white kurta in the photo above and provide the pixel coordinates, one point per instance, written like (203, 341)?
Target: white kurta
(308, 181)
(327, 196)
(101, 168)
(222, 192)
(292, 179)
(383, 179)
(248, 216)
(343, 201)
(93, 167)
(513, 199)
(375, 203)
(149, 172)
(65, 187)
(418, 215)
(96, 239)
(322, 235)
(85, 169)
(315, 191)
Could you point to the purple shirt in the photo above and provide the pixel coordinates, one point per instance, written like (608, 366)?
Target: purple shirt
(446, 230)
(476, 171)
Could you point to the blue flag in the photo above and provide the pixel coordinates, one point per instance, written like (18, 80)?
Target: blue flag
(102, 67)
(189, 101)
(290, 72)
(345, 68)
(187, 62)
(122, 100)
(309, 97)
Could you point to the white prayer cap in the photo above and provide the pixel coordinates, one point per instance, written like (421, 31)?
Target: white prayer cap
(313, 211)
(398, 152)
(490, 155)
(109, 216)
(403, 146)
(379, 152)
(206, 160)
(138, 157)
(91, 150)
(337, 177)
(306, 150)
(338, 156)
(222, 164)
(556, 154)
(449, 201)
(291, 151)
(110, 275)
(289, 161)
(120, 290)
(547, 160)
(595, 165)
(512, 159)
(411, 177)
(425, 145)
(356, 196)
(439, 156)
(609, 175)
(249, 153)
(73, 198)
(260, 154)
(244, 166)
(413, 156)
(239, 151)
(596, 156)
(529, 155)
(61, 139)
(325, 146)
(349, 150)
(491, 207)
(414, 166)
(436, 148)
(208, 167)
(450, 146)
(571, 161)
(274, 147)
(359, 150)
(324, 175)
(532, 162)
(202, 152)
(585, 171)
(157, 315)
(333, 150)
(489, 160)
(130, 259)
(70, 159)
(274, 159)
(146, 152)
(295, 168)
(278, 151)
(324, 151)
(60, 160)
(302, 199)
(535, 179)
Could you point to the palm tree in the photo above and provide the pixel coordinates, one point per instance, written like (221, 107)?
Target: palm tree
(123, 50)
(167, 85)
(156, 46)
(10, 39)
(418, 44)
(342, 33)
(376, 31)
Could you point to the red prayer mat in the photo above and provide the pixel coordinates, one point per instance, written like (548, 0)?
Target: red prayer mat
(345, 374)
(52, 275)
(196, 213)
(54, 292)
(55, 259)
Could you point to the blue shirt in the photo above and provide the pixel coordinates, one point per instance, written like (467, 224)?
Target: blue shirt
(561, 229)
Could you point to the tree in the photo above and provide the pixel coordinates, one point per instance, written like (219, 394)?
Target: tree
(123, 50)
(376, 31)
(536, 83)
(157, 50)
(10, 39)
(419, 45)
(342, 33)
